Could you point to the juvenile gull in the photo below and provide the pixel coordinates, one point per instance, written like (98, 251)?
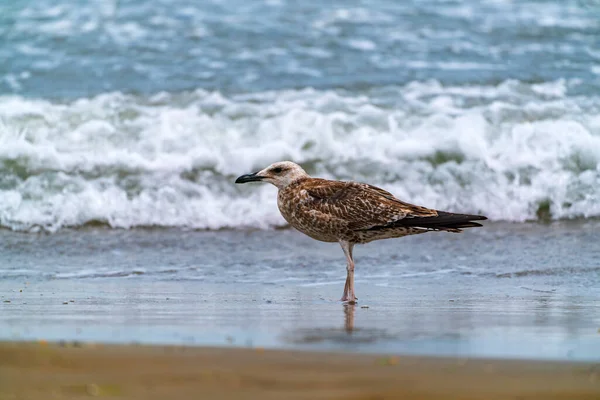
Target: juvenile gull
(350, 212)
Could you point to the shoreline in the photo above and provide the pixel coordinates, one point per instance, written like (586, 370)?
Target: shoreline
(37, 370)
(284, 226)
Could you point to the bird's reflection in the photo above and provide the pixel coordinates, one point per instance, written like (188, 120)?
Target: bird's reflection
(351, 333)
(349, 310)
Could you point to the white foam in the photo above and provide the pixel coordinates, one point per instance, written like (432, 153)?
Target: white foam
(170, 159)
(362, 44)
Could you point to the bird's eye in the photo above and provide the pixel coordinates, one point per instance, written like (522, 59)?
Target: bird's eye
(277, 170)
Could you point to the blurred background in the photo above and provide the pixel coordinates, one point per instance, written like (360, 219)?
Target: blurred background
(141, 113)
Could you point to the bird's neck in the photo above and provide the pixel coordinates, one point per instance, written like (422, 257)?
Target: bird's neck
(294, 182)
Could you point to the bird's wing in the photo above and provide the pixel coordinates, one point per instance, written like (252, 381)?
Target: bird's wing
(360, 205)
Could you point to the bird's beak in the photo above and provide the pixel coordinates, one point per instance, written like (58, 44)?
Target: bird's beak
(250, 178)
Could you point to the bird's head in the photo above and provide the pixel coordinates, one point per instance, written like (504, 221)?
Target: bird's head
(279, 174)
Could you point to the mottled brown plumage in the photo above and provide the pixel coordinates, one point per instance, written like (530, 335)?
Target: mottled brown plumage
(350, 212)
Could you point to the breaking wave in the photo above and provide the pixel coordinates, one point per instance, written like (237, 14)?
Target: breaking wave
(514, 151)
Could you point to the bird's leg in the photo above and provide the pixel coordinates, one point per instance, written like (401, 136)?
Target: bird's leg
(349, 295)
(346, 287)
(350, 277)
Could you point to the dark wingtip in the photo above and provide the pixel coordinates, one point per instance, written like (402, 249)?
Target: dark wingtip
(443, 221)
(467, 225)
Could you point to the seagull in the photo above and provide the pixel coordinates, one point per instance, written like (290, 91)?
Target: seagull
(350, 212)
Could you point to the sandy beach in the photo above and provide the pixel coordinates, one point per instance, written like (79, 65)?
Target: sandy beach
(76, 370)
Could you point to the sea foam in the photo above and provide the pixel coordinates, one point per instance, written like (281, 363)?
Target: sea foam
(515, 151)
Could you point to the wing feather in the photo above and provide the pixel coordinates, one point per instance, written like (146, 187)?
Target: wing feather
(360, 206)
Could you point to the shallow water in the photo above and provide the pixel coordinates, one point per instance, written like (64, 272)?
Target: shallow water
(507, 290)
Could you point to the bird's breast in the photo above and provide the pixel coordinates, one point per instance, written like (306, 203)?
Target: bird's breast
(288, 202)
(306, 220)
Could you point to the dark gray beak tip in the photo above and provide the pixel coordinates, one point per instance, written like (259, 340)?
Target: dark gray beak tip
(249, 178)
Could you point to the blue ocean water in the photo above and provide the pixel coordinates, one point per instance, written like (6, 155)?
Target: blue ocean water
(141, 113)
(71, 49)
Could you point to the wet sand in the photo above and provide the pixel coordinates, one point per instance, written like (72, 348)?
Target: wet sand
(42, 371)
(525, 291)
(426, 317)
